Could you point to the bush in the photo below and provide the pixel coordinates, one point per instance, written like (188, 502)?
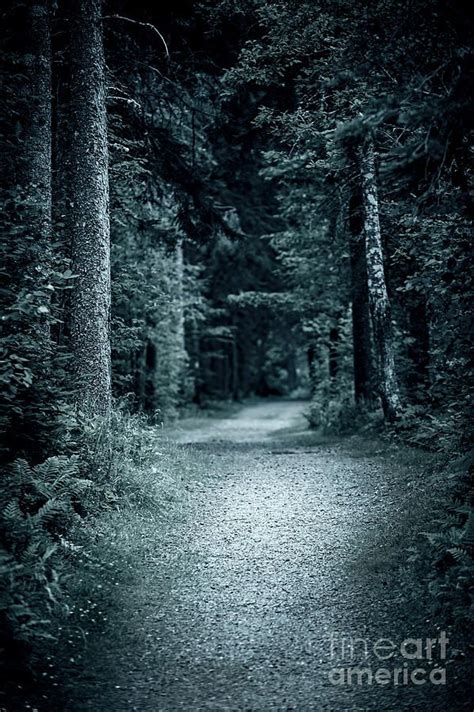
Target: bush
(452, 583)
(439, 431)
(37, 507)
(49, 516)
(339, 416)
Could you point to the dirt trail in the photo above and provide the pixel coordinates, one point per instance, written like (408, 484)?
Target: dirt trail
(283, 547)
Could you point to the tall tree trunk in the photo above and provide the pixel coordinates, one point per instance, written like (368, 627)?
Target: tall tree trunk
(193, 349)
(226, 382)
(361, 337)
(61, 158)
(235, 358)
(35, 160)
(180, 321)
(89, 224)
(148, 378)
(378, 297)
(333, 355)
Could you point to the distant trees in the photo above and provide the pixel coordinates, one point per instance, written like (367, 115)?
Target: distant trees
(329, 76)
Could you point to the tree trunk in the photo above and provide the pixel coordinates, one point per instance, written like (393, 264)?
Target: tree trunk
(193, 349)
(378, 297)
(35, 161)
(313, 365)
(181, 354)
(333, 356)
(227, 363)
(89, 211)
(235, 359)
(361, 337)
(148, 378)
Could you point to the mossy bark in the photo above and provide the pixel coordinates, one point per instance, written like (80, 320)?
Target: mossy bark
(89, 211)
(35, 154)
(378, 296)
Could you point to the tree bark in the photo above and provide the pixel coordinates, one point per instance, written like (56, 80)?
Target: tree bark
(378, 296)
(333, 355)
(89, 211)
(35, 160)
(361, 337)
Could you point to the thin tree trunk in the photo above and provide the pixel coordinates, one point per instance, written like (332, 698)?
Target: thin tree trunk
(227, 371)
(333, 360)
(313, 357)
(378, 297)
(244, 370)
(194, 354)
(180, 322)
(89, 223)
(148, 378)
(235, 358)
(361, 337)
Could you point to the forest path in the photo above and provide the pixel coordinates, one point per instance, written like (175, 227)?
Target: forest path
(282, 544)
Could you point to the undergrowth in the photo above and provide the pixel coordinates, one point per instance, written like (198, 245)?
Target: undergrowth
(59, 551)
(444, 435)
(341, 416)
(452, 549)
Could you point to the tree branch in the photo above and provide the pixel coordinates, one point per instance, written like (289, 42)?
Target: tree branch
(142, 24)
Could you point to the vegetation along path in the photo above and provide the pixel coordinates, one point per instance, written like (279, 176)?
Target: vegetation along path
(284, 551)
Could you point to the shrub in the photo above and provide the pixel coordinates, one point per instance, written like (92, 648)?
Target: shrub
(37, 507)
(452, 583)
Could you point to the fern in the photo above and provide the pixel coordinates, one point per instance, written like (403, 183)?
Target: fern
(36, 511)
(453, 549)
(12, 512)
(49, 513)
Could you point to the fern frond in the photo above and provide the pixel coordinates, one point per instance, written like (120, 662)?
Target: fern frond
(12, 511)
(49, 513)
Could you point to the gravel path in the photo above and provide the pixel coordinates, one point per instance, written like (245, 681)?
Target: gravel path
(283, 549)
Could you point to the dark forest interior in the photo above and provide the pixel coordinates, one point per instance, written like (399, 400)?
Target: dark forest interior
(248, 221)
